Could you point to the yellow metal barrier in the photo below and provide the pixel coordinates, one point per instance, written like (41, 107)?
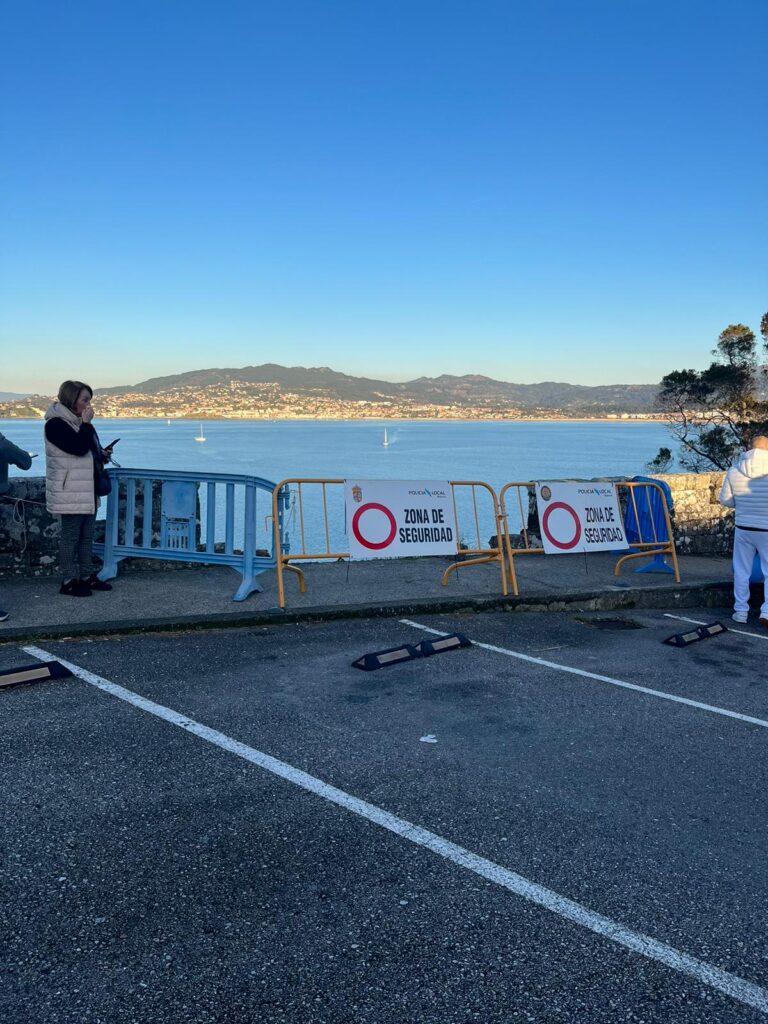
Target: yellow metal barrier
(478, 555)
(482, 553)
(503, 537)
(648, 544)
(281, 493)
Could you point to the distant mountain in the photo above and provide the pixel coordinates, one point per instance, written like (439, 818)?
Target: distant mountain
(12, 396)
(470, 389)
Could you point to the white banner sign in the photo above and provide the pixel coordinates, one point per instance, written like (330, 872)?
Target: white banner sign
(399, 518)
(579, 517)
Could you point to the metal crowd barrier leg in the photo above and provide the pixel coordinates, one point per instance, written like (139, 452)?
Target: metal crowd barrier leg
(300, 573)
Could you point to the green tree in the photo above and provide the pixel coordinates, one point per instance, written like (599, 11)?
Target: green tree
(714, 413)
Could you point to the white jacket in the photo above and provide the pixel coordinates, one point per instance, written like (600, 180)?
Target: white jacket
(69, 488)
(745, 488)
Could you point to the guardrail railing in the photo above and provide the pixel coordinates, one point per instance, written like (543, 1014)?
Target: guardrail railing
(207, 518)
(320, 543)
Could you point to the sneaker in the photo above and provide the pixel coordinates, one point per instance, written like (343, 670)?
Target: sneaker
(94, 583)
(739, 616)
(75, 588)
(3, 615)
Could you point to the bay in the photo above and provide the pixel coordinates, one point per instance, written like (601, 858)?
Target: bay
(495, 452)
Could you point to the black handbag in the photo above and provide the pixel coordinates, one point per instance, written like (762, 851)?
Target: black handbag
(101, 478)
(103, 481)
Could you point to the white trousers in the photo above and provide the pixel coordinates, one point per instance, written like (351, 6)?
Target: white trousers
(745, 544)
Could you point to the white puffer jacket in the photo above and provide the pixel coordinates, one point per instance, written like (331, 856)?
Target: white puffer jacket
(69, 486)
(745, 488)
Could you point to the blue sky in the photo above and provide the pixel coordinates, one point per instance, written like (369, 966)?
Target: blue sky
(534, 191)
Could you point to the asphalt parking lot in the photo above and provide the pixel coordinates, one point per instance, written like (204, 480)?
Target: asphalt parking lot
(567, 824)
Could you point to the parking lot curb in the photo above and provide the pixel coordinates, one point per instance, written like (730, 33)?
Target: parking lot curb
(675, 596)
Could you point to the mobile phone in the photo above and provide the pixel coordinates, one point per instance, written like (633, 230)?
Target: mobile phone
(112, 443)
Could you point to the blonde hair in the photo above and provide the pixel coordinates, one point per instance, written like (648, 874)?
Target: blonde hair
(69, 392)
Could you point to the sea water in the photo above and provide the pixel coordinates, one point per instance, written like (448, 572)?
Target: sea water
(495, 452)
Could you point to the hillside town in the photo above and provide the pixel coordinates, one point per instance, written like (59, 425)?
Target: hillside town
(268, 401)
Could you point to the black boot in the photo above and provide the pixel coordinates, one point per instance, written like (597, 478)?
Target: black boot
(75, 588)
(94, 583)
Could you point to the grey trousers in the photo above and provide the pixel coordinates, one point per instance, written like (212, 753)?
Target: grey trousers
(76, 546)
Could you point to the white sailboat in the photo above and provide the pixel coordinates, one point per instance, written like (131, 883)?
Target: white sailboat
(202, 434)
(167, 423)
(385, 443)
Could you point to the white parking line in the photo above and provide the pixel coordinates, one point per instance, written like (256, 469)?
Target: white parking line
(698, 622)
(661, 694)
(733, 986)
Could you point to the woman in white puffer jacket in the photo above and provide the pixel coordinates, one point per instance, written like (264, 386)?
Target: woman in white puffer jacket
(70, 491)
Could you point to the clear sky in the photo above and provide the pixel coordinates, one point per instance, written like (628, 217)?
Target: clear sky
(541, 190)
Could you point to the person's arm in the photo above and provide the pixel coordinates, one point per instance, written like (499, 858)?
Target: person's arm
(106, 453)
(9, 452)
(726, 494)
(73, 442)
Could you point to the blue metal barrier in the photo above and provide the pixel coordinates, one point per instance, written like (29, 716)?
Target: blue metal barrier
(172, 521)
(646, 519)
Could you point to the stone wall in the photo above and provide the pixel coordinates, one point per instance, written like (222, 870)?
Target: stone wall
(29, 536)
(702, 526)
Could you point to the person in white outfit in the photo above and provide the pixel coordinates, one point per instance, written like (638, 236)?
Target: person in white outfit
(745, 489)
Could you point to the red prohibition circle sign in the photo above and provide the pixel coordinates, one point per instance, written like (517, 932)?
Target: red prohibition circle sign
(356, 527)
(577, 531)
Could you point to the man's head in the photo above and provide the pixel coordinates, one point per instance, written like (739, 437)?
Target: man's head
(760, 441)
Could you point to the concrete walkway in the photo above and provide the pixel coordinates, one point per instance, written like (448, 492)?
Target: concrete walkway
(149, 599)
